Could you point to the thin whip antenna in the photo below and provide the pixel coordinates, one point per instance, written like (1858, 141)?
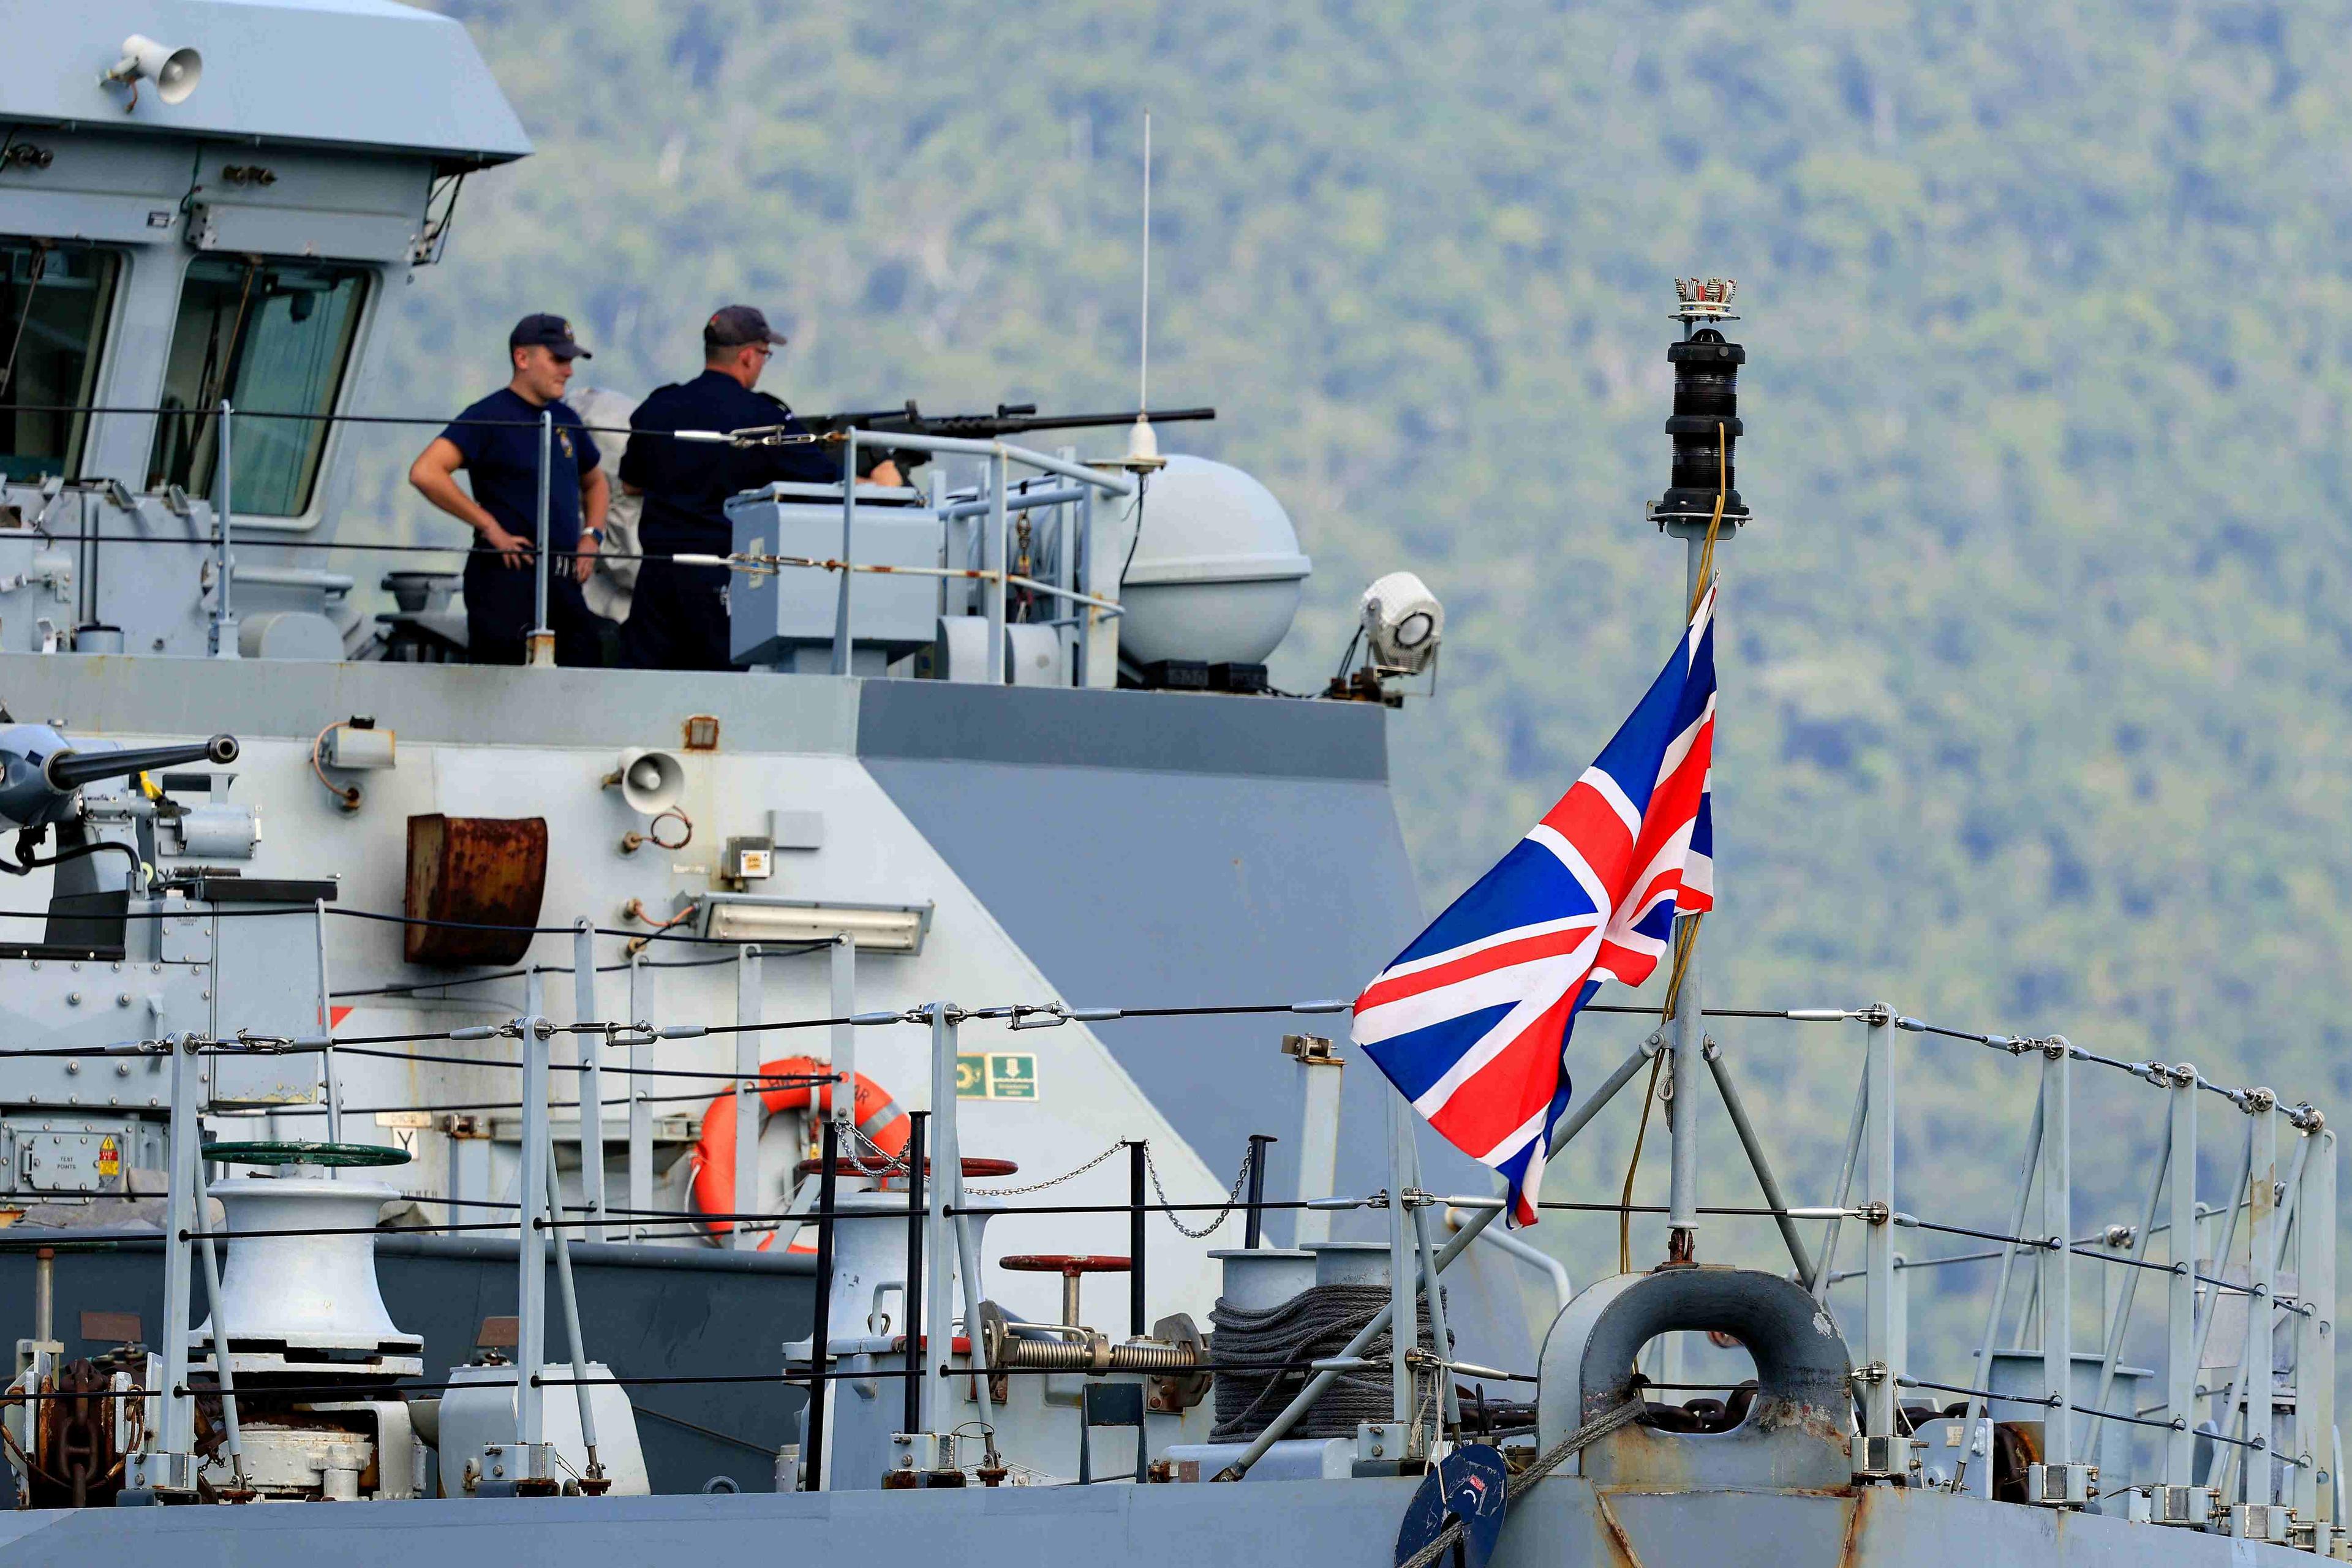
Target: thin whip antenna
(1142, 444)
(1143, 367)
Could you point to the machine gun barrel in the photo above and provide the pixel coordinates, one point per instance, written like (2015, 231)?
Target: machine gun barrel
(1007, 422)
(69, 770)
(1010, 419)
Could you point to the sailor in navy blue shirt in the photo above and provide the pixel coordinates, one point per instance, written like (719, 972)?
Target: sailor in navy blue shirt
(496, 441)
(678, 618)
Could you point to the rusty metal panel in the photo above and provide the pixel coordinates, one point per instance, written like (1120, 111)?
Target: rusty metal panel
(474, 871)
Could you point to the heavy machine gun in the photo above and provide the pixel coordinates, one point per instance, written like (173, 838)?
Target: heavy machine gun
(1010, 419)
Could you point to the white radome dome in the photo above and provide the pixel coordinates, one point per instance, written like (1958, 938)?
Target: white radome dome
(1217, 574)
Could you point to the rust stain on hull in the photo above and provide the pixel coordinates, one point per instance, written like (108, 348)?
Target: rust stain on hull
(1853, 1527)
(473, 871)
(1616, 1530)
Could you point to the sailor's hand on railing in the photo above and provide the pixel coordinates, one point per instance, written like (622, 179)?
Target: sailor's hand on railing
(514, 550)
(584, 562)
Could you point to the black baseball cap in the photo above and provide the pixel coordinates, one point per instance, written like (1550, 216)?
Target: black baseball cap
(551, 333)
(732, 326)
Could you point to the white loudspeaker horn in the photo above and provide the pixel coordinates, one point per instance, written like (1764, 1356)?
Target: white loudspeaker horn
(174, 72)
(650, 781)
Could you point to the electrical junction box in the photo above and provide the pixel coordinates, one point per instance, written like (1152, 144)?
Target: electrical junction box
(357, 748)
(782, 616)
(748, 860)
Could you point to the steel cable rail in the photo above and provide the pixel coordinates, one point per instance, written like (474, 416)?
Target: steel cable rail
(1027, 1015)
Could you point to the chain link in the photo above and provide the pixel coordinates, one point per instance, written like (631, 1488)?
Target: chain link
(1233, 1197)
(891, 1164)
(897, 1166)
(1051, 1181)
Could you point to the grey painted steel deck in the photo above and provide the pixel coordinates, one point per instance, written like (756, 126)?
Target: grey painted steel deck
(1561, 1523)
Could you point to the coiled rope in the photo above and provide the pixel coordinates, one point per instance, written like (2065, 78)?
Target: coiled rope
(1315, 1324)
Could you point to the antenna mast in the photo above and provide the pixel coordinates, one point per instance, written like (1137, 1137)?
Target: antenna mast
(1142, 443)
(1143, 365)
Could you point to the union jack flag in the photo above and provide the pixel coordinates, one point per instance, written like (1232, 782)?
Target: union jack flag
(1471, 1022)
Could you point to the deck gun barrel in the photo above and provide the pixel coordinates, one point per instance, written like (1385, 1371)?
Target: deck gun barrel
(71, 769)
(40, 771)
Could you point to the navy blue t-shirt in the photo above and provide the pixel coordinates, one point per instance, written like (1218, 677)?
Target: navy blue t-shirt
(687, 483)
(502, 466)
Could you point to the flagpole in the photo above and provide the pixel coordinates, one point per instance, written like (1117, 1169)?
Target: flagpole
(1702, 510)
(1690, 1039)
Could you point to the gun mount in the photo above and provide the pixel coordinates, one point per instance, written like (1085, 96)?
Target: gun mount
(41, 773)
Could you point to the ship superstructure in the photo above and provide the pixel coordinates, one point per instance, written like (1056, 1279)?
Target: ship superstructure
(905, 1071)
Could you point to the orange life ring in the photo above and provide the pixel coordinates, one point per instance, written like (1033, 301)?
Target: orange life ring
(876, 1114)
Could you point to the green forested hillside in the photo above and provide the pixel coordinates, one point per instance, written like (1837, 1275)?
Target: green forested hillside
(2035, 662)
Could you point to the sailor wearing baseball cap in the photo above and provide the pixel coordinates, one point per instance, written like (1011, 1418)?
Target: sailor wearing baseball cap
(678, 618)
(496, 441)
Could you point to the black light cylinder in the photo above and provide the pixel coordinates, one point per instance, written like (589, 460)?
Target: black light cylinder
(1705, 429)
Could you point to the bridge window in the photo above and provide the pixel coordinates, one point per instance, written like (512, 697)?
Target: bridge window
(54, 299)
(271, 336)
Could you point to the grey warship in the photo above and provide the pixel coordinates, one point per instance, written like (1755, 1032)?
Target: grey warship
(548, 1134)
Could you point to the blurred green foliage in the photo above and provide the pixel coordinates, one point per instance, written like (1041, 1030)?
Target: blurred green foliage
(2034, 665)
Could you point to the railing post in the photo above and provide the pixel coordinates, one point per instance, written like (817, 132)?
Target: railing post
(641, 1110)
(589, 1051)
(841, 639)
(540, 645)
(2056, 1272)
(568, 1292)
(916, 1385)
(224, 1375)
(326, 1076)
(1404, 1337)
(1424, 1239)
(2315, 1340)
(994, 585)
(172, 1462)
(530, 1186)
(939, 1304)
(748, 1000)
(2255, 1369)
(224, 512)
(2180, 1289)
(1098, 643)
(1067, 577)
(821, 1317)
(1878, 1251)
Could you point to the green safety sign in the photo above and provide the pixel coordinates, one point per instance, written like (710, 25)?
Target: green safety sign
(997, 1075)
